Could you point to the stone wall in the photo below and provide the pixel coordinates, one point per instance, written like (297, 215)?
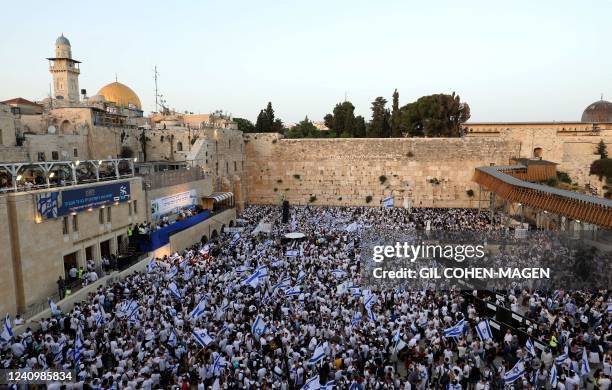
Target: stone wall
(419, 172)
(8, 303)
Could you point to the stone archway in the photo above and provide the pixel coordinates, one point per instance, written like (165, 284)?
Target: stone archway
(537, 153)
(66, 127)
(214, 234)
(231, 223)
(204, 239)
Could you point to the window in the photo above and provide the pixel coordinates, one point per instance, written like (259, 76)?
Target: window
(129, 208)
(75, 152)
(135, 207)
(108, 214)
(217, 167)
(227, 167)
(65, 225)
(179, 146)
(216, 146)
(229, 143)
(235, 166)
(41, 156)
(55, 155)
(101, 216)
(75, 223)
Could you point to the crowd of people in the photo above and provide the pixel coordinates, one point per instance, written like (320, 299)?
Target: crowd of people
(263, 312)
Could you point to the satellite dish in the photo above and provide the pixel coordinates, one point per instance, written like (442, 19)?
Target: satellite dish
(51, 129)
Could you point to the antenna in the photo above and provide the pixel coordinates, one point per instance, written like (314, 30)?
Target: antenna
(115, 76)
(156, 94)
(345, 96)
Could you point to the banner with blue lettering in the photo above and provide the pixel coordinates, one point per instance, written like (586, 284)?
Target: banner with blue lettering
(58, 203)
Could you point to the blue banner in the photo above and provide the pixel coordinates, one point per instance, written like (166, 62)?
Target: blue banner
(58, 203)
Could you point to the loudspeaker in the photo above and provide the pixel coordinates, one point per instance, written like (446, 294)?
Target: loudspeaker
(285, 211)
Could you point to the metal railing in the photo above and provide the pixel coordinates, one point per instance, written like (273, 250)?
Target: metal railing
(151, 181)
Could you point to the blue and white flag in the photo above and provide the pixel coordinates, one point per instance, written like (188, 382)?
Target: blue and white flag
(553, 376)
(222, 309)
(259, 327)
(174, 290)
(563, 357)
(78, 346)
(172, 339)
(242, 269)
(312, 384)
(584, 363)
(54, 310)
(609, 308)
(517, 371)
(58, 357)
(7, 330)
(356, 318)
(388, 202)
(100, 316)
(355, 291)
(171, 274)
(151, 265)
(399, 344)
(450, 386)
(483, 329)
(126, 308)
(199, 310)
(292, 253)
(202, 337)
(235, 239)
(534, 376)
(263, 271)
(371, 314)
(301, 276)
(282, 284)
(253, 280)
(187, 273)
(218, 364)
(319, 354)
(292, 291)
(530, 348)
(338, 273)
(456, 330)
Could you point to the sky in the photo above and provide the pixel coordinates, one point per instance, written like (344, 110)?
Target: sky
(510, 61)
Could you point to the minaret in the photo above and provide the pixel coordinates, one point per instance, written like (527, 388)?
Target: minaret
(65, 71)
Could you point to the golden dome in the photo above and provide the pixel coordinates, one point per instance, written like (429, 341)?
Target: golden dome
(120, 94)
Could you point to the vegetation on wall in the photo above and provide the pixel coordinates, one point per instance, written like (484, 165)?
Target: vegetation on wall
(602, 168)
(368, 198)
(602, 149)
(296, 176)
(382, 179)
(470, 192)
(312, 199)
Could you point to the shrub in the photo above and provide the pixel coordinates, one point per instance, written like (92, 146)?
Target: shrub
(296, 176)
(340, 198)
(279, 181)
(602, 167)
(409, 154)
(470, 192)
(275, 189)
(434, 181)
(312, 199)
(368, 198)
(274, 141)
(563, 177)
(552, 182)
(382, 179)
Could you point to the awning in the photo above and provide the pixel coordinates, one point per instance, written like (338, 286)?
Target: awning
(219, 196)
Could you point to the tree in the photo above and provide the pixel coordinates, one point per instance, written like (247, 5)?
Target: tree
(360, 127)
(437, 115)
(304, 129)
(396, 130)
(342, 122)
(379, 125)
(245, 125)
(602, 149)
(266, 123)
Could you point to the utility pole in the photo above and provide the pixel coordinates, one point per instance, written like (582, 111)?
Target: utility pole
(156, 94)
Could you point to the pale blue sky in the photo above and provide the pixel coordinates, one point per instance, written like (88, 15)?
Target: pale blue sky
(511, 61)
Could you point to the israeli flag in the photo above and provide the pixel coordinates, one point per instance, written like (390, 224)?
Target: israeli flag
(530, 348)
(292, 253)
(100, 316)
(242, 269)
(456, 330)
(399, 343)
(202, 337)
(235, 239)
(172, 273)
(356, 318)
(563, 357)
(252, 280)
(338, 273)
(292, 291)
(174, 290)
(483, 329)
(59, 357)
(78, 346)
(584, 363)
(172, 339)
(371, 314)
(54, 310)
(199, 310)
(534, 376)
(355, 291)
(388, 202)
(187, 274)
(282, 284)
(370, 298)
(301, 276)
(312, 384)
(126, 308)
(553, 376)
(222, 309)
(218, 364)
(263, 271)
(259, 327)
(517, 372)
(152, 265)
(450, 386)
(7, 330)
(609, 307)
(318, 355)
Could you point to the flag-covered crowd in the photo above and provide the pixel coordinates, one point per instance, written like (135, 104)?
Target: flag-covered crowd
(245, 312)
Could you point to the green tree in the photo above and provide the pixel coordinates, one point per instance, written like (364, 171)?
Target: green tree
(304, 129)
(245, 125)
(360, 127)
(379, 125)
(437, 115)
(341, 122)
(266, 123)
(602, 149)
(396, 130)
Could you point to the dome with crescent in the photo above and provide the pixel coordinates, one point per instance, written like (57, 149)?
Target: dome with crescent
(121, 95)
(598, 112)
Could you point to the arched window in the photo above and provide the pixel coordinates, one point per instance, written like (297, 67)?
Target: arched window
(537, 153)
(179, 146)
